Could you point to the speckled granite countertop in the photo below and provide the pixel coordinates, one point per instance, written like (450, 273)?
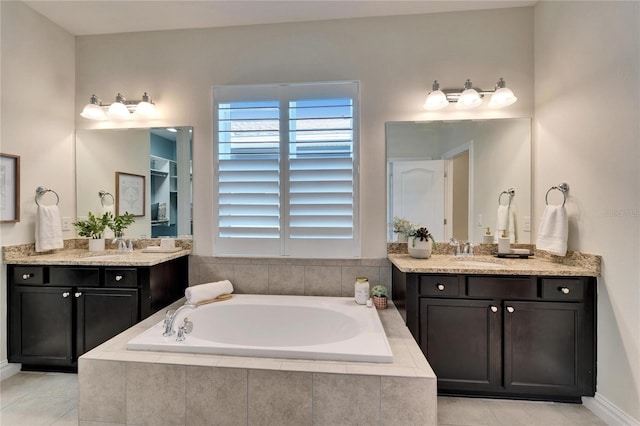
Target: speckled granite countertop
(82, 257)
(578, 265)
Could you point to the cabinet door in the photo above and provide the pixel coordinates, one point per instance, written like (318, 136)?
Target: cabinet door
(542, 342)
(461, 339)
(41, 321)
(103, 313)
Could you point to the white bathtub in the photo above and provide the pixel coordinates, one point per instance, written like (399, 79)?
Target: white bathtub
(302, 327)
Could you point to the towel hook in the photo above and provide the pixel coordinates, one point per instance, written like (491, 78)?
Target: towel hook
(510, 192)
(563, 187)
(103, 194)
(41, 190)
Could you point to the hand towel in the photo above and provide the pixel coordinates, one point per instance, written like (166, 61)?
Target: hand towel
(553, 230)
(209, 291)
(506, 221)
(48, 228)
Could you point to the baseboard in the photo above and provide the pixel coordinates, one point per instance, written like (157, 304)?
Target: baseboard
(8, 369)
(608, 411)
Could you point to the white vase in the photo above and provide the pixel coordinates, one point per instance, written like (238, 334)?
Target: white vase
(96, 244)
(419, 249)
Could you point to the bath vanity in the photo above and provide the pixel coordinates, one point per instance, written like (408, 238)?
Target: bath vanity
(517, 328)
(64, 304)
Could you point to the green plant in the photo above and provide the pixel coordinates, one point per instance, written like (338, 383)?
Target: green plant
(94, 226)
(423, 234)
(379, 291)
(119, 223)
(403, 226)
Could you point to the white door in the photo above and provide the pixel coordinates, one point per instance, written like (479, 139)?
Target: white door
(418, 193)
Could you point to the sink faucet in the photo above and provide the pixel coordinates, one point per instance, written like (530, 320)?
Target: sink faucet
(170, 318)
(455, 243)
(467, 249)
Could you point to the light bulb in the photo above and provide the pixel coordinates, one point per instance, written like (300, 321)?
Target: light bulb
(436, 98)
(93, 110)
(118, 110)
(502, 97)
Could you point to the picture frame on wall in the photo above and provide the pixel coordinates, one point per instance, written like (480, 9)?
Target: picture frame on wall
(9, 188)
(130, 194)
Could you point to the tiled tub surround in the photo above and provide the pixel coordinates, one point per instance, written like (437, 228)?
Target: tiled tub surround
(124, 387)
(308, 277)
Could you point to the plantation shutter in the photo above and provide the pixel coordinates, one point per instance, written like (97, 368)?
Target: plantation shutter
(286, 170)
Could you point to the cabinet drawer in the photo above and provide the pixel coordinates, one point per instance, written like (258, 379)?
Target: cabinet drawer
(86, 277)
(562, 289)
(438, 285)
(502, 287)
(25, 275)
(121, 277)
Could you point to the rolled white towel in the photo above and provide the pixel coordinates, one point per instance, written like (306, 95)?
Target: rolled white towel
(202, 292)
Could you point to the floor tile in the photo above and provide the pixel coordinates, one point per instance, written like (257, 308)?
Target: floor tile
(36, 411)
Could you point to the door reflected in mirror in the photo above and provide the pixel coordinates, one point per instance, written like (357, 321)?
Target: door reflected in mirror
(162, 155)
(448, 176)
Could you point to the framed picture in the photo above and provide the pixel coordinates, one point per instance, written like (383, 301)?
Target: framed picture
(9, 188)
(130, 196)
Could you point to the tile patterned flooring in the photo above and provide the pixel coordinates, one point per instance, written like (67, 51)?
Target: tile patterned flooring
(33, 399)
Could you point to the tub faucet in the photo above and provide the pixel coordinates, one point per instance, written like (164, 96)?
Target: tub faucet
(170, 318)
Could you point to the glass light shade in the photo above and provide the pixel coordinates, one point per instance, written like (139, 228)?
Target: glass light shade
(145, 110)
(93, 112)
(502, 97)
(470, 98)
(118, 110)
(436, 100)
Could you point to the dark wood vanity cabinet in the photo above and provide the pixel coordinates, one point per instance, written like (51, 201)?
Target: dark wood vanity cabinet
(510, 336)
(57, 313)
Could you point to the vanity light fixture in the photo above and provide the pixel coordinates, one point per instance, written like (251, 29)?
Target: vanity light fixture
(120, 109)
(469, 97)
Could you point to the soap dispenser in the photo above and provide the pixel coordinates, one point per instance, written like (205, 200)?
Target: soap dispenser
(504, 243)
(487, 238)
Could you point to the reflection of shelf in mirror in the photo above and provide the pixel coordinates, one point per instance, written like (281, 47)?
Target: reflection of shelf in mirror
(158, 173)
(164, 222)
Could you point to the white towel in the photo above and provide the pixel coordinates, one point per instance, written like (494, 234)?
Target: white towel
(506, 221)
(202, 292)
(48, 228)
(553, 230)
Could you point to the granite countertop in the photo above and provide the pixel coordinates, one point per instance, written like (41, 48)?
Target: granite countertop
(83, 257)
(583, 265)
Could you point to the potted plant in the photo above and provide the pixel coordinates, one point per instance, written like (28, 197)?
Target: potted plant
(93, 228)
(119, 223)
(403, 228)
(379, 294)
(420, 243)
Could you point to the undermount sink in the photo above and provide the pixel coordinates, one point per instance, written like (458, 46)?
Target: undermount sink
(479, 263)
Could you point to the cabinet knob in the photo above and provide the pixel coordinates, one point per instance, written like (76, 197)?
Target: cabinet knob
(119, 277)
(510, 309)
(26, 276)
(494, 309)
(441, 287)
(65, 294)
(77, 294)
(564, 290)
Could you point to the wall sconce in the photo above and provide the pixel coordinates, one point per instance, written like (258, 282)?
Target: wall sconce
(469, 97)
(120, 109)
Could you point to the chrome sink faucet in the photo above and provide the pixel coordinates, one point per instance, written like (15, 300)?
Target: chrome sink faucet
(467, 249)
(170, 318)
(456, 244)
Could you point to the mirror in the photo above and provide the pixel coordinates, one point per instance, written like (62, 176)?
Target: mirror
(161, 155)
(450, 176)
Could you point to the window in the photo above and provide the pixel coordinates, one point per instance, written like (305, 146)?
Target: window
(286, 170)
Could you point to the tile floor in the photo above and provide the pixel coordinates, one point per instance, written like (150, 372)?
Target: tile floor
(32, 399)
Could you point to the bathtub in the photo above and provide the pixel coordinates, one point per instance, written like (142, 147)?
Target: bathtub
(301, 327)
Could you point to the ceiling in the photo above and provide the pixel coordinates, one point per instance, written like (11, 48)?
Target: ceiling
(87, 17)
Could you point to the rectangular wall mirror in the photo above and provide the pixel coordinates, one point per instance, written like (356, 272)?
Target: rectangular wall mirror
(161, 155)
(451, 176)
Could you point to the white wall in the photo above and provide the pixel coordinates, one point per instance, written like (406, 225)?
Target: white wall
(37, 116)
(395, 58)
(587, 57)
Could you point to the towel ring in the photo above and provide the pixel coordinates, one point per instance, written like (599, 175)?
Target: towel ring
(510, 192)
(103, 194)
(41, 190)
(563, 187)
